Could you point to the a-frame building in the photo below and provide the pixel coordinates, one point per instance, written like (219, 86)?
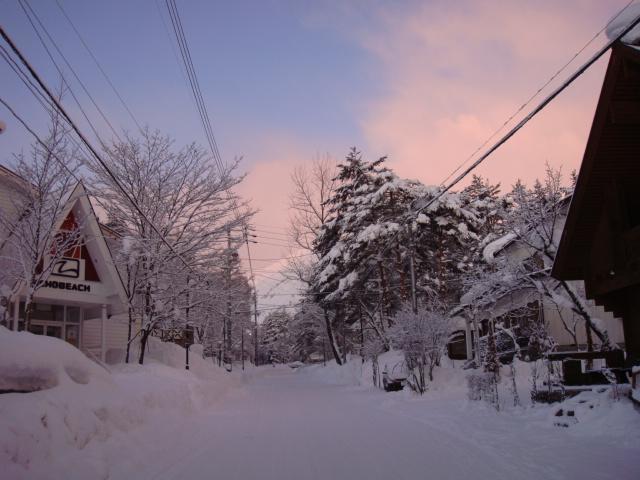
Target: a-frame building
(83, 300)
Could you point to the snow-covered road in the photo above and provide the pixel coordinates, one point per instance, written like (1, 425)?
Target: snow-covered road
(288, 425)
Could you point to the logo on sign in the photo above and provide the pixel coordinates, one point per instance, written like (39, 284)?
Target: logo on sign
(67, 267)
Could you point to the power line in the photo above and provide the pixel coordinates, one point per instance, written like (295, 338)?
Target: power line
(185, 53)
(22, 4)
(93, 151)
(102, 71)
(516, 128)
(532, 97)
(40, 97)
(38, 139)
(533, 113)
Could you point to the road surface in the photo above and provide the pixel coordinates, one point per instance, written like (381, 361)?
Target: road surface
(287, 425)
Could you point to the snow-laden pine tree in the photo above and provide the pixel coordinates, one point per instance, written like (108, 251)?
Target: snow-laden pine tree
(361, 272)
(274, 336)
(381, 246)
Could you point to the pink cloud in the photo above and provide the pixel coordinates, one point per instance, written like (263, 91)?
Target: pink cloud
(456, 73)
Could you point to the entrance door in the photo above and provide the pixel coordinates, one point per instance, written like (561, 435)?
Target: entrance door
(57, 321)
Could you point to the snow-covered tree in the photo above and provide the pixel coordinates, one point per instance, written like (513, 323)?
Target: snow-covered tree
(274, 336)
(533, 222)
(34, 237)
(422, 336)
(198, 220)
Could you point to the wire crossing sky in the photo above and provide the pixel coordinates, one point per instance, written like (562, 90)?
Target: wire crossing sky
(424, 82)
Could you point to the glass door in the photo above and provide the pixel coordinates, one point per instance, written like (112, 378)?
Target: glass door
(72, 325)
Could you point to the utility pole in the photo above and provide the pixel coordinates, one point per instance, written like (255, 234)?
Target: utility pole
(242, 342)
(255, 300)
(414, 300)
(188, 332)
(226, 340)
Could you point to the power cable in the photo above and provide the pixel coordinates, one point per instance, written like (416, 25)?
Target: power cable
(102, 71)
(534, 112)
(532, 97)
(22, 4)
(517, 127)
(93, 151)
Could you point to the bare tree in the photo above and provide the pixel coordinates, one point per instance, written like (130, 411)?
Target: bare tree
(197, 219)
(313, 185)
(34, 235)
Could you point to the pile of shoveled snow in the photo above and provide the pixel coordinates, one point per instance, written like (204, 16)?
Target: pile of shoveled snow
(619, 23)
(75, 402)
(589, 413)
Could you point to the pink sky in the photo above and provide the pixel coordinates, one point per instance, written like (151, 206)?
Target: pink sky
(452, 74)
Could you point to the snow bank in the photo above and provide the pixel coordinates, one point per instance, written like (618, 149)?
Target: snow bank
(75, 403)
(31, 362)
(597, 413)
(618, 24)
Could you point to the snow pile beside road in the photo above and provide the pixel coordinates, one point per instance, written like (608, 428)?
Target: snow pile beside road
(26, 363)
(79, 403)
(350, 374)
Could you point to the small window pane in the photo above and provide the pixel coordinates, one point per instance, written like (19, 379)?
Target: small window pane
(73, 314)
(37, 329)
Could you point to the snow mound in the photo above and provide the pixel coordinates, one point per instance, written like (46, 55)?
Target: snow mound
(76, 405)
(31, 362)
(619, 23)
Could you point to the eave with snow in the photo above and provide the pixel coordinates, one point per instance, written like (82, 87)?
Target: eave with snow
(600, 243)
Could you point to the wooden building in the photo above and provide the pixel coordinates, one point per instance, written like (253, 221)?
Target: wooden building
(600, 243)
(83, 301)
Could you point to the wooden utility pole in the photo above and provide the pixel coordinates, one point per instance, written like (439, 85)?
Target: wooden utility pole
(255, 300)
(227, 328)
(414, 300)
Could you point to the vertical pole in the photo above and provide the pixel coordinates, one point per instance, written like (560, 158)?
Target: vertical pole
(255, 324)
(414, 300)
(16, 313)
(187, 338)
(255, 299)
(103, 334)
(227, 339)
(242, 344)
(467, 338)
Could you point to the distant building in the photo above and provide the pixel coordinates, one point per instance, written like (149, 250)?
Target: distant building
(83, 301)
(522, 310)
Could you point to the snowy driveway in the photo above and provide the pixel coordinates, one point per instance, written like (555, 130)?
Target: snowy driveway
(287, 425)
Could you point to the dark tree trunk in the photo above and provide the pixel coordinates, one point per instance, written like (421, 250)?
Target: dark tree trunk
(143, 345)
(332, 339)
(126, 360)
